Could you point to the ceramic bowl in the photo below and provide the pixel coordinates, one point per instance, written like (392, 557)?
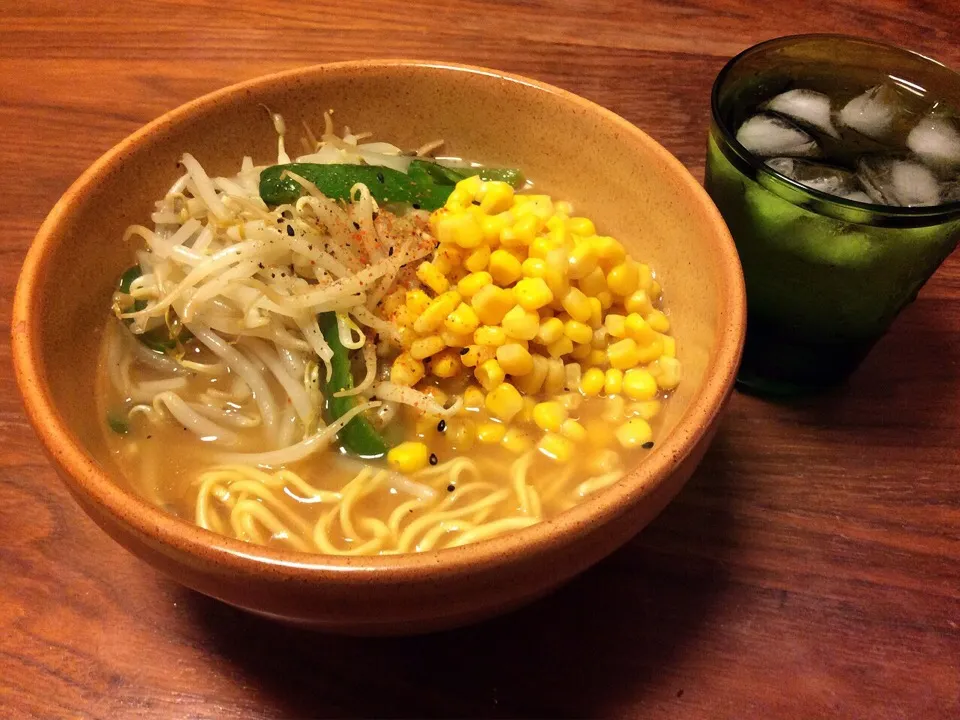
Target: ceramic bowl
(572, 148)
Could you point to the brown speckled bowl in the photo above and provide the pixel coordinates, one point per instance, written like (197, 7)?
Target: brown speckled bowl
(576, 150)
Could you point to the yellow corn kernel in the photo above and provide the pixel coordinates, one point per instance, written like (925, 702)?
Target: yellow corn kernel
(489, 374)
(558, 232)
(593, 283)
(438, 395)
(669, 345)
(521, 324)
(504, 268)
(432, 318)
(446, 364)
(646, 409)
(577, 305)
(531, 383)
(582, 261)
(491, 304)
(604, 461)
(522, 232)
(646, 354)
(645, 280)
(556, 376)
(635, 432)
(426, 346)
(408, 457)
(461, 434)
(599, 433)
(581, 352)
(504, 401)
(623, 354)
(406, 370)
(556, 274)
(497, 196)
(556, 447)
(639, 302)
(447, 258)
(473, 283)
(549, 415)
(622, 279)
(550, 331)
(655, 291)
(613, 381)
(591, 382)
(478, 259)
(417, 301)
(595, 320)
(597, 358)
(667, 372)
(515, 359)
(490, 335)
(541, 247)
(493, 225)
(462, 321)
(491, 433)
(658, 321)
(562, 207)
(532, 293)
(516, 440)
(609, 251)
(639, 384)
(616, 325)
(404, 317)
(613, 408)
(638, 329)
(476, 355)
(473, 397)
(606, 299)
(455, 340)
(459, 228)
(471, 186)
(581, 226)
(526, 414)
(578, 332)
(563, 346)
(533, 267)
(573, 430)
(429, 275)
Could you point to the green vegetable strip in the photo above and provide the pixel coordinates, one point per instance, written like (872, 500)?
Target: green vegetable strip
(358, 436)
(158, 339)
(427, 186)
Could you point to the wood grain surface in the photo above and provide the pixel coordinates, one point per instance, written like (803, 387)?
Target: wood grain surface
(810, 569)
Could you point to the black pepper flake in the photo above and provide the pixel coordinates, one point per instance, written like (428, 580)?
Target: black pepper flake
(290, 230)
(416, 206)
(390, 251)
(433, 459)
(441, 426)
(380, 177)
(476, 202)
(647, 445)
(260, 265)
(464, 351)
(451, 488)
(281, 219)
(356, 225)
(309, 247)
(273, 275)
(149, 436)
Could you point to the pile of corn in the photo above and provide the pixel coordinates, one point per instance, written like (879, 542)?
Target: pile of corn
(545, 314)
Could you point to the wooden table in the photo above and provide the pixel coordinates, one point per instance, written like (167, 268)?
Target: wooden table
(810, 569)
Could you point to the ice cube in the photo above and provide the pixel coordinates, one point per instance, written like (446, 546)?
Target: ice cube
(898, 182)
(767, 135)
(806, 107)
(936, 139)
(873, 113)
(825, 178)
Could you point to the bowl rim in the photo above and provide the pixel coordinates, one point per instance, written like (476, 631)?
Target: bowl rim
(237, 557)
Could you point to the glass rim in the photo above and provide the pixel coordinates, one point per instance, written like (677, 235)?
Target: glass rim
(831, 205)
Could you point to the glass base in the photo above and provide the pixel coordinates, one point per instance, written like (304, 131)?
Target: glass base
(778, 365)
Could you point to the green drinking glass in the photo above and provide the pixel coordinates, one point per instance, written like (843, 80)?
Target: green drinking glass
(830, 160)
